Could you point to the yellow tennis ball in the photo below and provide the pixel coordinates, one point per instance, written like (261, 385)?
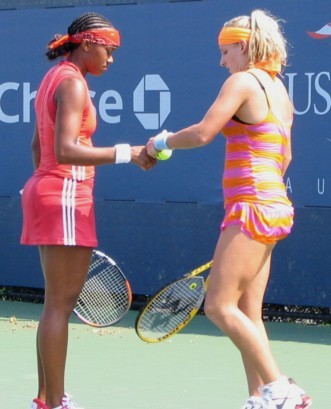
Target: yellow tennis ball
(164, 154)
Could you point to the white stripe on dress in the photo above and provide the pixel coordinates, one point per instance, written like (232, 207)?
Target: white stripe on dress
(68, 212)
(78, 172)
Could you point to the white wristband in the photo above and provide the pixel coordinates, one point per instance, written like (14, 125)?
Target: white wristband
(160, 140)
(123, 153)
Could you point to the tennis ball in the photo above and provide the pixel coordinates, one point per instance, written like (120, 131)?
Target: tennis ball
(164, 154)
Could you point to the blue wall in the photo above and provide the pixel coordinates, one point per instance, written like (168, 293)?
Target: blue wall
(161, 223)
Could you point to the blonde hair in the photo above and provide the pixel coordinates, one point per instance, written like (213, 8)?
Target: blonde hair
(266, 41)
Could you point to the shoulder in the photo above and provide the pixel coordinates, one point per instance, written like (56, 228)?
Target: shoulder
(280, 84)
(239, 77)
(263, 79)
(71, 93)
(72, 84)
(69, 74)
(240, 86)
(240, 82)
(63, 78)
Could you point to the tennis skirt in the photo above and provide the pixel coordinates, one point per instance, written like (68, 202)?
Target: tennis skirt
(58, 211)
(266, 223)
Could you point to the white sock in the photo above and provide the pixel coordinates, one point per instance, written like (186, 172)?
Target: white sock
(254, 398)
(282, 380)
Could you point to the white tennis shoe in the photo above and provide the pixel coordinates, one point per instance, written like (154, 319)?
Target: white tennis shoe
(67, 403)
(38, 404)
(253, 402)
(284, 394)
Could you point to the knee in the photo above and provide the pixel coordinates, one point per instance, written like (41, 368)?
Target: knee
(69, 302)
(218, 313)
(63, 302)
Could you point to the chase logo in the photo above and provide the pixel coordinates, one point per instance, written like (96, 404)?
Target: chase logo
(152, 83)
(324, 32)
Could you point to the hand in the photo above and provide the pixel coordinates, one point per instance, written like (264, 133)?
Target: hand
(151, 148)
(158, 143)
(140, 158)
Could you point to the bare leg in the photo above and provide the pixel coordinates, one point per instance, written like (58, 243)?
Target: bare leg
(237, 262)
(65, 269)
(41, 378)
(250, 304)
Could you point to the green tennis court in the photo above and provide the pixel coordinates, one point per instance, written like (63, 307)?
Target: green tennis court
(197, 368)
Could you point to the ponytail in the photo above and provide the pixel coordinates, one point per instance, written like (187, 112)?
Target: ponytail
(267, 41)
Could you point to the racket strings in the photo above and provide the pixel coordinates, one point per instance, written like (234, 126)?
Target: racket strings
(105, 297)
(171, 308)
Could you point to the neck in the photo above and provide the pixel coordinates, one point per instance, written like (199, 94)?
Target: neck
(78, 63)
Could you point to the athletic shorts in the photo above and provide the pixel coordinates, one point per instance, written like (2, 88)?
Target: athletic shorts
(266, 223)
(58, 211)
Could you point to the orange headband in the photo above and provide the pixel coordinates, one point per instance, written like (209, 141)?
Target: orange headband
(231, 35)
(108, 37)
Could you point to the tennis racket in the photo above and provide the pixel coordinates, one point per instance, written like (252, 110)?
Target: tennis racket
(106, 296)
(172, 307)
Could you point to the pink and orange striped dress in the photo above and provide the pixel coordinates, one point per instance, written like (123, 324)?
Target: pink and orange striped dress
(253, 187)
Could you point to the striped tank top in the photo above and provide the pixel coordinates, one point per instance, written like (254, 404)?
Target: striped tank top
(254, 161)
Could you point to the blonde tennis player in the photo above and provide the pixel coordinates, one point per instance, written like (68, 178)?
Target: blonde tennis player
(254, 113)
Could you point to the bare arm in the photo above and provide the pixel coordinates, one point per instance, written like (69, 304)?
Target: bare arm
(35, 146)
(287, 156)
(288, 147)
(230, 98)
(70, 98)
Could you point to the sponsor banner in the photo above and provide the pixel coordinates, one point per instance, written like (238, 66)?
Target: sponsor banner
(165, 76)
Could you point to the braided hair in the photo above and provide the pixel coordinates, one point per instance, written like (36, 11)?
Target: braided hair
(86, 21)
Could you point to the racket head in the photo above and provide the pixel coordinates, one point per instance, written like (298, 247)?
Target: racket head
(106, 295)
(171, 309)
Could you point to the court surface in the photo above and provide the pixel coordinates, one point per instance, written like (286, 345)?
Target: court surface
(198, 368)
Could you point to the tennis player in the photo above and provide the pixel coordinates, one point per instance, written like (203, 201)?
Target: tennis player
(254, 113)
(58, 199)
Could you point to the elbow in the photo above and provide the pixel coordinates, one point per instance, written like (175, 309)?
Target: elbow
(62, 157)
(202, 137)
(286, 164)
(35, 147)
(288, 159)
(65, 153)
(61, 160)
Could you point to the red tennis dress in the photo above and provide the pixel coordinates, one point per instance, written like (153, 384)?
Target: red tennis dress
(57, 201)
